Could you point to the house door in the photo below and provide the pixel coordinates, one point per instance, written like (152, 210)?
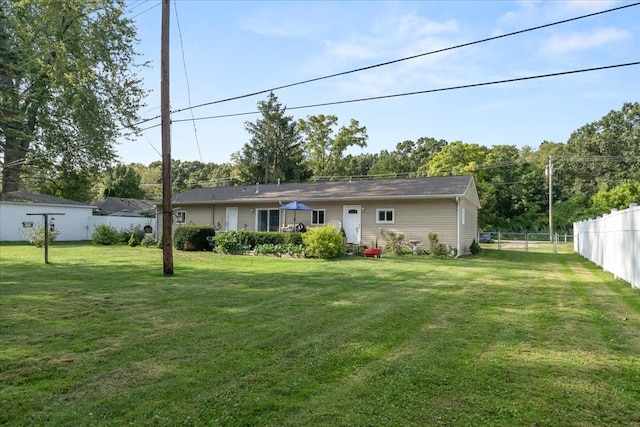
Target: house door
(232, 219)
(352, 221)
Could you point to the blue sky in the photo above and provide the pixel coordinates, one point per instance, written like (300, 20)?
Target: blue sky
(233, 48)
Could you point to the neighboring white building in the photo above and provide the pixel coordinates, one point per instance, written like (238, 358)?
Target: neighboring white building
(14, 218)
(77, 223)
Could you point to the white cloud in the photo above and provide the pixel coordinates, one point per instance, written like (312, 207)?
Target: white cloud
(353, 49)
(577, 41)
(391, 38)
(530, 12)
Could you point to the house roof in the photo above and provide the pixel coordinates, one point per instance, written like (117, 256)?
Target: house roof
(123, 206)
(22, 196)
(401, 188)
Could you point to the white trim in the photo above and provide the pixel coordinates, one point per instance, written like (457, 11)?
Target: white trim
(385, 221)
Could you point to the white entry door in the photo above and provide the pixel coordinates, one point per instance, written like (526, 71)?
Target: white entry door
(232, 219)
(352, 222)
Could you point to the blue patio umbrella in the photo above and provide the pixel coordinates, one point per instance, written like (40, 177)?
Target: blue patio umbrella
(295, 206)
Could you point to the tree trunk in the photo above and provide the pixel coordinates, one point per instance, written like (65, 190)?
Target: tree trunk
(15, 151)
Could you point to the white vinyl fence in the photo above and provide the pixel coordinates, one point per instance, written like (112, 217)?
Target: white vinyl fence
(612, 242)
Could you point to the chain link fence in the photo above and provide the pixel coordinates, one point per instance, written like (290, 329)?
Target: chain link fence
(527, 242)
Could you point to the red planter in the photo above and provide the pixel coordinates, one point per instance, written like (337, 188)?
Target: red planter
(373, 252)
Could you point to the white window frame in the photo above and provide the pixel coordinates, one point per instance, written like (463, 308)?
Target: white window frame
(181, 217)
(316, 213)
(269, 225)
(463, 218)
(386, 221)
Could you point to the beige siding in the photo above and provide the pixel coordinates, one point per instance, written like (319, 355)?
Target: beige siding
(415, 219)
(198, 215)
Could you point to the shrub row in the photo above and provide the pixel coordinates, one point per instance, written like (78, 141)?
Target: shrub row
(192, 237)
(105, 234)
(238, 241)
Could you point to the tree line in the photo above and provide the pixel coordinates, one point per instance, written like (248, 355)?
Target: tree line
(596, 170)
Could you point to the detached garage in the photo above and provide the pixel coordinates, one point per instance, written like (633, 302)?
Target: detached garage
(14, 219)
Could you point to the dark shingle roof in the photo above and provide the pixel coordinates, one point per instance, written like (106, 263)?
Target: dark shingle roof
(118, 204)
(22, 196)
(449, 186)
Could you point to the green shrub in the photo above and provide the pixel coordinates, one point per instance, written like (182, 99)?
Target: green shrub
(105, 234)
(36, 235)
(192, 237)
(133, 240)
(232, 241)
(258, 238)
(437, 249)
(293, 239)
(294, 250)
(270, 249)
(148, 241)
(127, 233)
(291, 249)
(323, 242)
(393, 242)
(241, 240)
(475, 247)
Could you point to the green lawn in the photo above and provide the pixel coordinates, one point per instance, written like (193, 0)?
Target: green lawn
(100, 337)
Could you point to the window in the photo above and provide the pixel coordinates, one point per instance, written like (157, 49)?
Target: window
(317, 217)
(181, 217)
(385, 216)
(463, 216)
(268, 219)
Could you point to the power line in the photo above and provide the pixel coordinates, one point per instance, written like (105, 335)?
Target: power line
(146, 10)
(395, 61)
(387, 63)
(186, 77)
(422, 92)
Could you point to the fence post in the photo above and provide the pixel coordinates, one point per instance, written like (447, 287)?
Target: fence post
(499, 241)
(526, 242)
(555, 243)
(635, 274)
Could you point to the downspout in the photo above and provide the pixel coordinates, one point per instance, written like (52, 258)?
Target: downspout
(458, 226)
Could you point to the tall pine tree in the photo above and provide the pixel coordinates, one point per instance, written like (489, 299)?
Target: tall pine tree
(274, 151)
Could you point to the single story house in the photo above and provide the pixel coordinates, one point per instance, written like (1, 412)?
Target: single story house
(412, 206)
(16, 206)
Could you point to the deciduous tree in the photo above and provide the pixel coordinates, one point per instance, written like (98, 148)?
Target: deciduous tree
(122, 181)
(324, 153)
(67, 84)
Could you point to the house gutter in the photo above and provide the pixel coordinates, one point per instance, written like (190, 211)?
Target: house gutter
(458, 226)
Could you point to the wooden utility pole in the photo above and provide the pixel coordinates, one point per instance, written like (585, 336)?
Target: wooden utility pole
(165, 116)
